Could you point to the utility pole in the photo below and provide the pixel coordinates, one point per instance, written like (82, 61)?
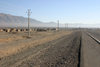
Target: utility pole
(66, 26)
(28, 14)
(58, 25)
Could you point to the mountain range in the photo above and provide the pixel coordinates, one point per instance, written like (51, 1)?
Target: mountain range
(7, 20)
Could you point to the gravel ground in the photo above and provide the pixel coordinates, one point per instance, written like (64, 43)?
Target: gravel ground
(73, 50)
(13, 44)
(62, 52)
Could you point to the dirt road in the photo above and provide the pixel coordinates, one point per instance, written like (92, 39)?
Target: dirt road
(62, 52)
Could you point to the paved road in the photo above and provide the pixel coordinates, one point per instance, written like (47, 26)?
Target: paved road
(90, 52)
(95, 33)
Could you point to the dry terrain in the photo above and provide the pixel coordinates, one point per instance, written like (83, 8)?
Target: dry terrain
(12, 43)
(50, 49)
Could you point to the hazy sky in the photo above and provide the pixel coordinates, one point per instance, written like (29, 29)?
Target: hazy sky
(67, 11)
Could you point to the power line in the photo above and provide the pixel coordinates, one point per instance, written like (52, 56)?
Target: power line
(28, 14)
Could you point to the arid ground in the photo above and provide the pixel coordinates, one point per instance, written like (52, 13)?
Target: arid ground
(50, 49)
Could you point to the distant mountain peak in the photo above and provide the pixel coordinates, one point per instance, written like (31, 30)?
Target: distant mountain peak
(7, 20)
